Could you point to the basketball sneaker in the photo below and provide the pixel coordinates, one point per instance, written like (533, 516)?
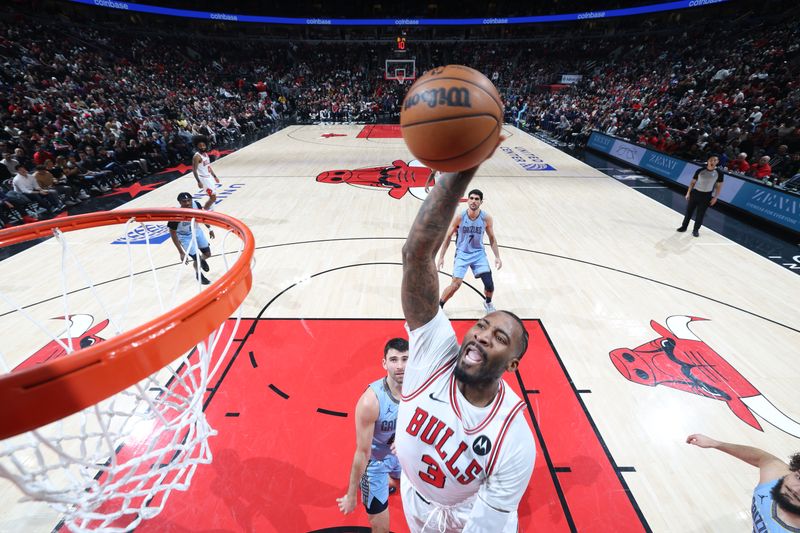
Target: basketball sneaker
(489, 306)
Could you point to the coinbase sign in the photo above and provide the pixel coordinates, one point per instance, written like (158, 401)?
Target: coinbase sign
(775, 205)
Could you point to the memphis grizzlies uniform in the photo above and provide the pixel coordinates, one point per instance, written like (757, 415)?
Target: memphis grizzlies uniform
(469, 246)
(382, 462)
(765, 517)
(465, 468)
(183, 230)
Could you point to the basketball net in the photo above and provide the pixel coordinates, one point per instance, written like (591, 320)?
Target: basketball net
(114, 464)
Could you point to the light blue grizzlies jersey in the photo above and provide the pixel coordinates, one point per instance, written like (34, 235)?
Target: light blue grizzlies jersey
(184, 228)
(383, 436)
(765, 518)
(469, 243)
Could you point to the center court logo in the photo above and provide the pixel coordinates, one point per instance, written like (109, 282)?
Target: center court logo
(526, 159)
(158, 233)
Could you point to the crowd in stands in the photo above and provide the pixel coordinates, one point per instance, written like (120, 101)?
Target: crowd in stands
(691, 97)
(81, 114)
(84, 109)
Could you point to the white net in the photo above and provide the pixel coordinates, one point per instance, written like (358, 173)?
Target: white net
(401, 70)
(114, 464)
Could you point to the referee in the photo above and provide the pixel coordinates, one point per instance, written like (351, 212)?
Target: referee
(706, 180)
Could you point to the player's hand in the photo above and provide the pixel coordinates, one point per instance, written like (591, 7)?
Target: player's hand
(687, 194)
(440, 263)
(498, 263)
(713, 201)
(346, 504)
(698, 439)
(183, 257)
(211, 234)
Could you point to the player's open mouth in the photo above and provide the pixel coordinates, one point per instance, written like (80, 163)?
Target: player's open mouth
(473, 354)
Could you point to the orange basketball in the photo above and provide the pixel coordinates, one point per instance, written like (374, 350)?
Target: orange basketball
(451, 118)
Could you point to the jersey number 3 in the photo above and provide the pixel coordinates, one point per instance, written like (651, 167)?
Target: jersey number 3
(434, 474)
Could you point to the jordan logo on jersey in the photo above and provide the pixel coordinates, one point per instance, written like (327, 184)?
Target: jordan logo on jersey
(429, 430)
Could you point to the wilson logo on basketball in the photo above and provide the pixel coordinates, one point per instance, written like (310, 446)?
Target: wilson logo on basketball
(452, 97)
(680, 360)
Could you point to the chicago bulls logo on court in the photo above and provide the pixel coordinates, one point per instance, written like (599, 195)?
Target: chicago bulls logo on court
(398, 178)
(680, 360)
(79, 334)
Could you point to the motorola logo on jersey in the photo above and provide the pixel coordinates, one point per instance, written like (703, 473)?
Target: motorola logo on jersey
(482, 445)
(158, 233)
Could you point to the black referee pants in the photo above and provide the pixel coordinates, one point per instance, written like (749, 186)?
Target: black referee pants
(700, 201)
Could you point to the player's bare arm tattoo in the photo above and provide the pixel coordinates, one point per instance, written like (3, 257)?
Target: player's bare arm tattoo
(420, 290)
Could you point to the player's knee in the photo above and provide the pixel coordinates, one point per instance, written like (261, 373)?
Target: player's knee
(488, 282)
(379, 523)
(456, 282)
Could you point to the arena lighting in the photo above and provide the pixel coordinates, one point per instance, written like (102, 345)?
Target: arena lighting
(640, 10)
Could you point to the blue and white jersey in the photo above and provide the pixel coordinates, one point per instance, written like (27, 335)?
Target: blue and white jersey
(184, 228)
(764, 510)
(383, 436)
(469, 243)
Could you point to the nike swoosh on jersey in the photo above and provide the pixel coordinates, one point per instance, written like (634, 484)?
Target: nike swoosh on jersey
(435, 399)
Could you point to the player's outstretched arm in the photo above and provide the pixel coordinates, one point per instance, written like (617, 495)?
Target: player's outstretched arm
(420, 288)
(770, 467)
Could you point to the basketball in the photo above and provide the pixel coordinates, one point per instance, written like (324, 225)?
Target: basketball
(451, 118)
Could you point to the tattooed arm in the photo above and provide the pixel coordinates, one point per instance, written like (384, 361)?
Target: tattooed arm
(420, 289)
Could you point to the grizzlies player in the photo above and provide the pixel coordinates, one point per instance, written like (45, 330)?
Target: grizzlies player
(776, 498)
(188, 241)
(374, 461)
(470, 253)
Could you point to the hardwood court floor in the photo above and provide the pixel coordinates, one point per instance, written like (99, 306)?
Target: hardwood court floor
(589, 261)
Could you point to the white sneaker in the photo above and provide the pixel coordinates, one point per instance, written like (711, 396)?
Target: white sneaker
(489, 306)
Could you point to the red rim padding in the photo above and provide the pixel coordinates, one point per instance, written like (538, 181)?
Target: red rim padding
(37, 396)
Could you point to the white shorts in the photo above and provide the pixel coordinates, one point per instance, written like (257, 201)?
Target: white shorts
(208, 184)
(424, 517)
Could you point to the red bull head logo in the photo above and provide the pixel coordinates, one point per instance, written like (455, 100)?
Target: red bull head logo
(679, 360)
(398, 178)
(78, 335)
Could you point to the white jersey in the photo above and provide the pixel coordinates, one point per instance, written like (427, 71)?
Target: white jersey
(465, 468)
(204, 174)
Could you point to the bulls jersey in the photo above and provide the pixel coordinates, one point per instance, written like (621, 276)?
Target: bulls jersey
(383, 433)
(469, 243)
(202, 169)
(475, 461)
